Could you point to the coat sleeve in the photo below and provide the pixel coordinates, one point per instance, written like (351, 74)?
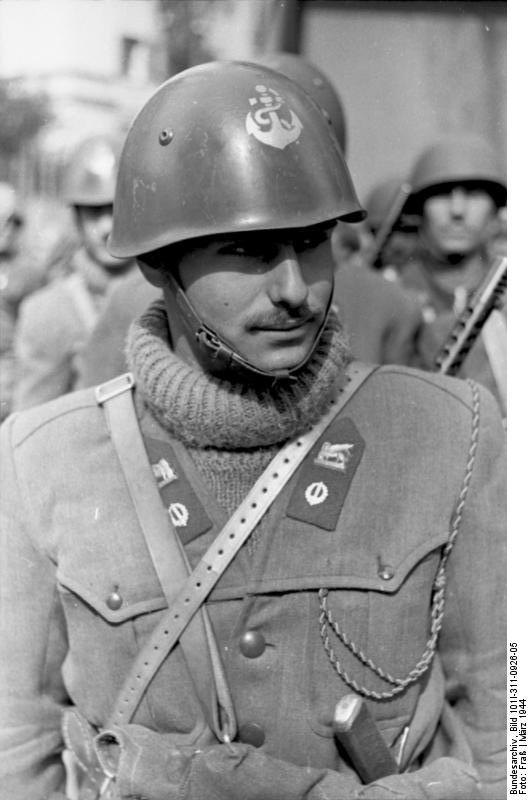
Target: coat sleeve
(404, 328)
(148, 765)
(383, 321)
(473, 637)
(33, 642)
(43, 352)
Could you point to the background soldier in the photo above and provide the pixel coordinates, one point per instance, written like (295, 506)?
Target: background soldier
(458, 188)
(375, 570)
(56, 321)
(20, 274)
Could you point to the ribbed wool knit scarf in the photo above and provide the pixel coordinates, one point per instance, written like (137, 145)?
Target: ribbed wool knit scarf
(232, 431)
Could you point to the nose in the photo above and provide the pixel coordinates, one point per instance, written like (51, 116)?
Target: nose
(287, 284)
(105, 222)
(458, 202)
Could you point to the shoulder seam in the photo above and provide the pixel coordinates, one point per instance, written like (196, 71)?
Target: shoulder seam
(424, 377)
(48, 420)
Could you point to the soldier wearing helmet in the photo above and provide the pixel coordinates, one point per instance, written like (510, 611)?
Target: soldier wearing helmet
(20, 274)
(458, 191)
(249, 524)
(56, 321)
(383, 321)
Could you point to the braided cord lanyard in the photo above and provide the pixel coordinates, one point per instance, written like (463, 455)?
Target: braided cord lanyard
(438, 598)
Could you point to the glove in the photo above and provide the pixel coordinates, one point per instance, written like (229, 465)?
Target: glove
(149, 765)
(443, 779)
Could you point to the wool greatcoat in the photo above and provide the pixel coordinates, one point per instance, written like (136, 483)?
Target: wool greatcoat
(71, 540)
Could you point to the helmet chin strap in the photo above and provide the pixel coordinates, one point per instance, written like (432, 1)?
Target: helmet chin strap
(222, 354)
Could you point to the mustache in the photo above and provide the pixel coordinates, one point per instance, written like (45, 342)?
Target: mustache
(458, 226)
(280, 317)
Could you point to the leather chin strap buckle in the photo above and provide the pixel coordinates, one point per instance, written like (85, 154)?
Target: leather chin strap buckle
(216, 349)
(223, 354)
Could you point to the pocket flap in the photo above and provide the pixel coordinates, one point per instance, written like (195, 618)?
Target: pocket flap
(301, 558)
(115, 591)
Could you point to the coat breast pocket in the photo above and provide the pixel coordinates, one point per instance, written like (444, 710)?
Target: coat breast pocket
(109, 619)
(374, 639)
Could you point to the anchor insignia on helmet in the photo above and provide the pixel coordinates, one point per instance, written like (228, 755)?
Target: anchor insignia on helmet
(266, 124)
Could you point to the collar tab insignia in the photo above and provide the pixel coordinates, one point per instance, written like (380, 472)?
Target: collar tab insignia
(316, 493)
(326, 475)
(186, 513)
(334, 456)
(164, 473)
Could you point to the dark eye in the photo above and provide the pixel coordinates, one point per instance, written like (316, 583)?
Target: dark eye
(257, 249)
(233, 249)
(311, 240)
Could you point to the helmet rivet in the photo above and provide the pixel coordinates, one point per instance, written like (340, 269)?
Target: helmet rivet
(166, 136)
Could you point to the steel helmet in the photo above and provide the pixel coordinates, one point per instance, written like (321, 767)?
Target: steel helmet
(315, 83)
(465, 159)
(227, 147)
(90, 175)
(380, 200)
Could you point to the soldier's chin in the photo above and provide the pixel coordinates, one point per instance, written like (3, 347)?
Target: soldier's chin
(288, 357)
(454, 253)
(112, 264)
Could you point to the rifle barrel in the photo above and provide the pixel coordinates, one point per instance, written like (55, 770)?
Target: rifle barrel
(469, 324)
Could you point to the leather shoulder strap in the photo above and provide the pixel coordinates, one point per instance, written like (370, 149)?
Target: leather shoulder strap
(199, 584)
(166, 552)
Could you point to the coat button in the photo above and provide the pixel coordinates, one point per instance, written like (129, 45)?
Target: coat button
(385, 572)
(252, 644)
(251, 733)
(114, 600)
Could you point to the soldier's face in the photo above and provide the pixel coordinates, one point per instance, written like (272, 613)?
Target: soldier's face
(95, 223)
(264, 293)
(457, 222)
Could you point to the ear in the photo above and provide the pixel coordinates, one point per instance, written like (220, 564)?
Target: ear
(155, 276)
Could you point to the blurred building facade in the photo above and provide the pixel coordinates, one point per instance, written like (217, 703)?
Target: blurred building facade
(94, 61)
(407, 70)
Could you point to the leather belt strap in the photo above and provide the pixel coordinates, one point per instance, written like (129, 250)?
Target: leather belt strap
(222, 551)
(166, 552)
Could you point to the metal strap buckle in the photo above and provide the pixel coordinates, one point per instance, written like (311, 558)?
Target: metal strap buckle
(114, 387)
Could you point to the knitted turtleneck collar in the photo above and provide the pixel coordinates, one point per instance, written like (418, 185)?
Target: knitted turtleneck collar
(204, 411)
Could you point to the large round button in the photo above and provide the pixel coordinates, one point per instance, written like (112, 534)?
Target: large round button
(252, 644)
(386, 572)
(114, 600)
(251, 733)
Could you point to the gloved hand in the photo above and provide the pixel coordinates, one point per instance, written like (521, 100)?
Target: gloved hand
(443, 779)
(149, 765)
